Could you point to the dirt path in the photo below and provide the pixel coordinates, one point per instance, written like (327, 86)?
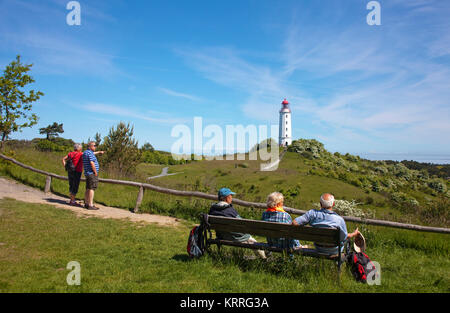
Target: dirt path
(164, 172)
(15, 190)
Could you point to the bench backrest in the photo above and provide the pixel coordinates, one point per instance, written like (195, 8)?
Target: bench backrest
(275, 230)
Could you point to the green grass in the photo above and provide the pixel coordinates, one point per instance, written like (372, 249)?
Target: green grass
(37, 242)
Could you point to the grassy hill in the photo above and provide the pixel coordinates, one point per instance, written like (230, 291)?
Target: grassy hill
(385, 191)
(411, 261)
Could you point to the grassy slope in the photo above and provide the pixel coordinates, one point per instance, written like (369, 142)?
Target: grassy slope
(249, 182)
(118, 256)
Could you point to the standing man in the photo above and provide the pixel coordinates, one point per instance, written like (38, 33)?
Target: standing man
(91, 168)
(74, 172)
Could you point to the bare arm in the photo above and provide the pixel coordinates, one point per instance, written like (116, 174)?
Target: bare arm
(99, 152)
(64, 159)
(355, 233)
(93, 168)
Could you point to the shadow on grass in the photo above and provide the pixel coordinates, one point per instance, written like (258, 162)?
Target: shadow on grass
(302, 268)
(181, 258)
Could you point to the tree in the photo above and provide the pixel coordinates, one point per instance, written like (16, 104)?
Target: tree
(122, 152)
(98, 139)
(147, 147)
(52, 131)
(15, 103)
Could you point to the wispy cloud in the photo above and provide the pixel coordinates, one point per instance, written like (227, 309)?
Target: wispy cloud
(179, 94)
(374, 87)
(150, 116)
(50, 46)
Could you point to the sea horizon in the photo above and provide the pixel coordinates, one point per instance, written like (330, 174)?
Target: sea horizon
(422, 158)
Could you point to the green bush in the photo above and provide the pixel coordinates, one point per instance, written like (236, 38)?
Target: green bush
(49, 146)
(437, 185)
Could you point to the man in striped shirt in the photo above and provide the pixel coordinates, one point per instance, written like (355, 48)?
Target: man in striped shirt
(91, 169)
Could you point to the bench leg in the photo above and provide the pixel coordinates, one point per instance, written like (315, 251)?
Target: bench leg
(339, 263)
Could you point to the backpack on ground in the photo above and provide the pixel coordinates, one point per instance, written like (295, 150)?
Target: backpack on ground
(70, 167)
(359, 266)
(195, 246)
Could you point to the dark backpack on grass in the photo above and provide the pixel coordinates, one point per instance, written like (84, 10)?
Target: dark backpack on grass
(70, 167)
(198, 236)
(359, 262)
(196, 244)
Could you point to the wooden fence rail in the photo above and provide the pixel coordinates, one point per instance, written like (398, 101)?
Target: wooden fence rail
(202, 195)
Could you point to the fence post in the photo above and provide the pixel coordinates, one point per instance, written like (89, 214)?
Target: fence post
(48, 183)
(139, 199)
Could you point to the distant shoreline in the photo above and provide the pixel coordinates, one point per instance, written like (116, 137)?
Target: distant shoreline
(421, 158)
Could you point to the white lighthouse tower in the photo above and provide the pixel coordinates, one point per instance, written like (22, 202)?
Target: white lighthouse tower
(285, 125)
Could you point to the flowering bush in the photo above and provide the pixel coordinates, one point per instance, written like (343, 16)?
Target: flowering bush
(349, 208)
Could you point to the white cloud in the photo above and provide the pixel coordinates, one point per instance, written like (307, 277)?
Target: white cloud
(385, 89)
(179, 94)
(154, 117)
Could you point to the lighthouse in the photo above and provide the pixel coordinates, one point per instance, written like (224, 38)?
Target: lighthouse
(285, 125)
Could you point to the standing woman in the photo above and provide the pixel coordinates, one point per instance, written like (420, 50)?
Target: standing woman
(73, 163)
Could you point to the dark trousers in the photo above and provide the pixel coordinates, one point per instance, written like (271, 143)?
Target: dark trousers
(74, 182)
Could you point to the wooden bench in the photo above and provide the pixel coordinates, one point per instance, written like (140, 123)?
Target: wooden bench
(323, 236)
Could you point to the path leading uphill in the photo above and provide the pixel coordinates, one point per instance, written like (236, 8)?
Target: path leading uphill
(164, 172)
(12, 189)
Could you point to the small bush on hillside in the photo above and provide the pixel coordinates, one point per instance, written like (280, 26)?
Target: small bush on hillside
(312, 146)
(437, 185)
(50, 146)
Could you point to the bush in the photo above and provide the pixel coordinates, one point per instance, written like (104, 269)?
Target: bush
(49, 146)
(437, 185)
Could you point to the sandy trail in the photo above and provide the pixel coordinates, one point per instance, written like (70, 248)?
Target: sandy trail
(15, 190)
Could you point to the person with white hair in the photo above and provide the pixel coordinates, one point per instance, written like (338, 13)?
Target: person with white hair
(276, 213)
(326, 217)
(73, 163)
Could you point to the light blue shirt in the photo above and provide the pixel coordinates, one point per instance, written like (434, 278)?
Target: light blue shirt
(324, 218)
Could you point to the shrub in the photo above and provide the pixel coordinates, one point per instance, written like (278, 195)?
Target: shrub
(437, 185)
(49, 146)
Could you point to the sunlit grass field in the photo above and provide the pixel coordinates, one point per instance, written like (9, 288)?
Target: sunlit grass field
(38, 241)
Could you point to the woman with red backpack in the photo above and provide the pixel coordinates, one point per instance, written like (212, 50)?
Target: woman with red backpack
(73, 162)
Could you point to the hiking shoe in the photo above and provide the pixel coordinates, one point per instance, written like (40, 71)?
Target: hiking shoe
(91, 208)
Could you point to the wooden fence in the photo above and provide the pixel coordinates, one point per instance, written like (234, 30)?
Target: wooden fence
(143, 186)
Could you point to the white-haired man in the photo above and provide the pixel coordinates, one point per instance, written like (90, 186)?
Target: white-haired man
(326, 217)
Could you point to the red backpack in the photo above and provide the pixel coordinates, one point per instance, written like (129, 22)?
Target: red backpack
(359, 262)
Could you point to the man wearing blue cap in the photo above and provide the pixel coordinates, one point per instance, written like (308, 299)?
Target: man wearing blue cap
(226, 209)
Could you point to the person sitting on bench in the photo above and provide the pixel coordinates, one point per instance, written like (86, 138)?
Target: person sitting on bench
(226, 209)
(275, 213)
(326, 217)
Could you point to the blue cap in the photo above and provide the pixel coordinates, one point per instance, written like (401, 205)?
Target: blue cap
(223, 192)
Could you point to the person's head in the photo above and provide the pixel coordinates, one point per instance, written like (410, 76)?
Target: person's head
(92, 145)
(77, 147)
(225, 194)
(327, 201)
(275, 199)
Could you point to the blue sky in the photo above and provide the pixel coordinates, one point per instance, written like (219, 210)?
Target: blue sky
(356, 88)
